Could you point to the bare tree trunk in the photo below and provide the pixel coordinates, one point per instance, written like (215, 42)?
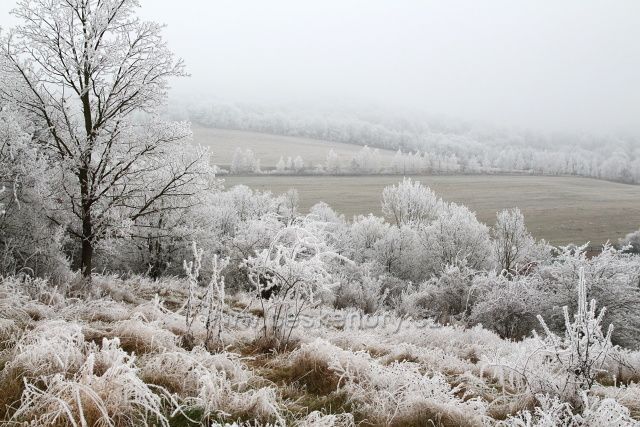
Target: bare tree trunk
(87, 226)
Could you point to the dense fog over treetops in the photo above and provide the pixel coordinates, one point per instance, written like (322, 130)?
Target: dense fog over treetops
(549, 66)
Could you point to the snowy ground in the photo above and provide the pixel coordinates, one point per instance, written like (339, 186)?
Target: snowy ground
(120, 353)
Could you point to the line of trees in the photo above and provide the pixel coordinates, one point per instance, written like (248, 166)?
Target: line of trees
(458, 146)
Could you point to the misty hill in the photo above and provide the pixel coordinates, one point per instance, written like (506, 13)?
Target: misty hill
(477, 148)
(269, 148)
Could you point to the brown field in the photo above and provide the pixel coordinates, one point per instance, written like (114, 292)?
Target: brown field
(268, 148)
(559, 209)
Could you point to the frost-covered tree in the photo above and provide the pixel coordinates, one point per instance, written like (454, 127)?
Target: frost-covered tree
(244, 161)
(410, 202)
(29, 242)
(332, 164)
(396, 253)
(631, 241)
(83, 69)
(456, 236)
(364, 233)
(512, 242)
(298, 164)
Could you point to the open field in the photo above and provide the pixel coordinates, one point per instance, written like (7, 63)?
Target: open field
(268, 148)
(559, 209)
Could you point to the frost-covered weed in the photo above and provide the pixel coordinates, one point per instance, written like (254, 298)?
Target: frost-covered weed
(51, 347)
(318, 419)
(318, 365)
(399, 394)
(102, 310)
(553, 412)
(217, 399)
(114, 397)
(180, 372)
(142, 337)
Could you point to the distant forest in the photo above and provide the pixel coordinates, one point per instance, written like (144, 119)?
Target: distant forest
(426, 145)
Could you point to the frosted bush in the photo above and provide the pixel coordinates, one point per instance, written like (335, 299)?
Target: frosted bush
(508, 307)
(562, 366)
(293, 275)
(581, 354)
(455, 236)
(359, 288)
(363, 234)
(611, 278)
(410, 203)
(445, 298)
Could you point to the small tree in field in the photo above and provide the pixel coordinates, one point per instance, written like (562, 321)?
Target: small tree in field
(82, 69)
(511, 240)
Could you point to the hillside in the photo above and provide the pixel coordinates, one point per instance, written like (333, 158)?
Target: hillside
(268, 148)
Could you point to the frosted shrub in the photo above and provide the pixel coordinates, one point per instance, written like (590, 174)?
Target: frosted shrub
(456, 235)
(291, 276)
(362, 236)
(360, 289)
(397, 252)
(612, 278)
(512, 242)
(509, 307)
(410, 203)
(251, 237)
(445, 298)
(580, 355)
(563, 366)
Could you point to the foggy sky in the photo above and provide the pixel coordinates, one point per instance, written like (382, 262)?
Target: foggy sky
(548, 65)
